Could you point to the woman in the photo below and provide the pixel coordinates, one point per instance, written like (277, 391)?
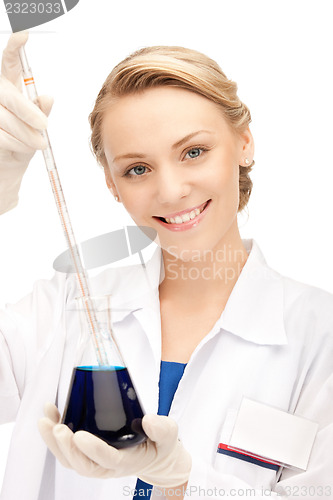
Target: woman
(173, 139)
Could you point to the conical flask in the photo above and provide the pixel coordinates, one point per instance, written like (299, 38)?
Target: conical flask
(101, 398)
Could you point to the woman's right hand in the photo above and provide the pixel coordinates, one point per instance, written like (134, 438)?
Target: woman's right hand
(20, 123)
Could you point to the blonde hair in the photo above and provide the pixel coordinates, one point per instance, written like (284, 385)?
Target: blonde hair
(177, 67)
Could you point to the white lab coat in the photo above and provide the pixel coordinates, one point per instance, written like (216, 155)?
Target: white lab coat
(273, 343)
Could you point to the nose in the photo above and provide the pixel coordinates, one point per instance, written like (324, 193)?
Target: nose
(171, 185)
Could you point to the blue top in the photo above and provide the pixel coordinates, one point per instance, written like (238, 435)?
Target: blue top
(170, 376)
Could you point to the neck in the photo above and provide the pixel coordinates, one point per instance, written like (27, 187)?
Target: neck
(211, 272)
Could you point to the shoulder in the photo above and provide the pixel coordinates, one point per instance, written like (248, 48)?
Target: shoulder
(307, 310)
(125, 283)
(45, 294)
(308, 315)
(312, 302)
(299, 299)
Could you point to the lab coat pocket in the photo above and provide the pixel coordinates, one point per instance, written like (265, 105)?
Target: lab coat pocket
(257, 473)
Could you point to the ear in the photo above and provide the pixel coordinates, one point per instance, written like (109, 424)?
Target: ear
(109, 181)
(247, 147)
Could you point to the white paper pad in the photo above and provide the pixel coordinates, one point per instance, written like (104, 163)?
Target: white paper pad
(273, 434)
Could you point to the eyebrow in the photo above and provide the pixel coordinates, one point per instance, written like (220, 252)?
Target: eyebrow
(175, 146)
(188, 137)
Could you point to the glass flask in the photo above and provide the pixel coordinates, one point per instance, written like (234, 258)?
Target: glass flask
(101, 398)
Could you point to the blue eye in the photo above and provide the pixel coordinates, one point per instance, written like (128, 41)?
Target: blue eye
(194, 152)
(138, 170)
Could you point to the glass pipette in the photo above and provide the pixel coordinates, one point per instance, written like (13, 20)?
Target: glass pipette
(59, 198)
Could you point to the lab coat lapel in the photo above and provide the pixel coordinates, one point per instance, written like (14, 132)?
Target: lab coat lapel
(137, 327)
(138, 337)
(141, 299)
(254, 313)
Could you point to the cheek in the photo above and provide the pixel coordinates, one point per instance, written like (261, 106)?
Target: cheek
(231, 192)
(134, 201)
(225, 182)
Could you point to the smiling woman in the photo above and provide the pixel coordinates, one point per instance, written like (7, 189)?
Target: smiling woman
(204, 326)
(198, 192)
(176, 67)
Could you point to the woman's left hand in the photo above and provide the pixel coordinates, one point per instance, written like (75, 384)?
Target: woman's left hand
(161, 460)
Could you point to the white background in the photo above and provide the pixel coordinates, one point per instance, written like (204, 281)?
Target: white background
(280, 53)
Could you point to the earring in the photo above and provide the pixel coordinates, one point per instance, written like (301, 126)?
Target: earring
(248, 163)
(116, 198)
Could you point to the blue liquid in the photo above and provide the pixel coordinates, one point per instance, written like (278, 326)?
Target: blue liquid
(103, 401)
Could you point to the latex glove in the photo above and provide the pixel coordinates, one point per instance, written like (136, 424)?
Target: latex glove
(161, 460)
(20, 122)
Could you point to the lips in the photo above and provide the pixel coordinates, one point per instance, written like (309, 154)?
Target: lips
(175, 214)
(184, 215)
(186, 219)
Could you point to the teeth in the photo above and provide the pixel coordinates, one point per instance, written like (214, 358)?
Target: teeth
(179, 219)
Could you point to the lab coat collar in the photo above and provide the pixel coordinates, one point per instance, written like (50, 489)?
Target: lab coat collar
(254, 310)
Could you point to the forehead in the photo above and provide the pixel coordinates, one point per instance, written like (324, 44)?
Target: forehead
(161, 112)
